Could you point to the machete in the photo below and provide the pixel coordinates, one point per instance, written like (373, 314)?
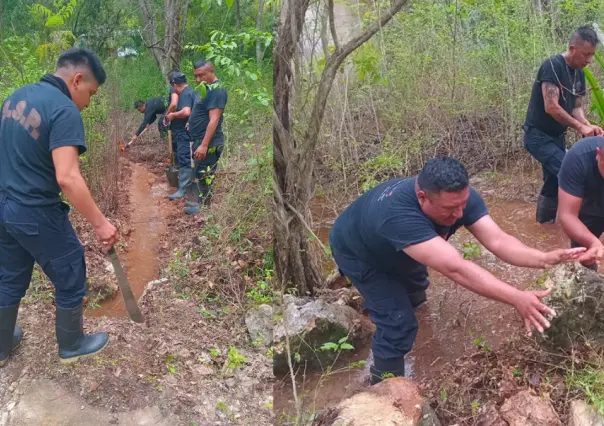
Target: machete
(129, 300)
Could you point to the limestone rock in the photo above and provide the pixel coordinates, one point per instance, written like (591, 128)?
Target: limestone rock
(259, 322)
(581, 414)
(309, 325)
(577, 298)
(526, 409)
(395, 401)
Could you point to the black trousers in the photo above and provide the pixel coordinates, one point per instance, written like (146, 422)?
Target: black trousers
(549, 151)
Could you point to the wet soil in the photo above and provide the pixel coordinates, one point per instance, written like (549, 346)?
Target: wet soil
(454, 322)
(148, 213)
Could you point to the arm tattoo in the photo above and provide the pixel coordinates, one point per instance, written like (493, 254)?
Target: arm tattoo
(552, 93)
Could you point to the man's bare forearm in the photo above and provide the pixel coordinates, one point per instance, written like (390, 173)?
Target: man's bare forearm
(480, 281)
(563, 117)
(579, 115)
(77, 193)
(210, 131)
(577, 231)
(513, 251)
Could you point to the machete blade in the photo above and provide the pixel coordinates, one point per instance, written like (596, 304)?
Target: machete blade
(129, 300)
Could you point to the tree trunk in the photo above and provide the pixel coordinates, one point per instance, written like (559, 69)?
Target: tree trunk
(259, 26)
(295, 262)
(168, 55)
(150, 33)
(324, 30)
(238, 23)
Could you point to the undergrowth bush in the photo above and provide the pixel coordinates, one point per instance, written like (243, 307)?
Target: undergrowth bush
(442, 78)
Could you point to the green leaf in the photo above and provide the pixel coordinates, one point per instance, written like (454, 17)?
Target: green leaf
(329, 346)
(343, 339)
(346, 347)
(55, 21)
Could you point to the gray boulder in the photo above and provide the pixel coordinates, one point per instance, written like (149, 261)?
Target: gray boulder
(577, 298)
(310, 324)
(260, 322)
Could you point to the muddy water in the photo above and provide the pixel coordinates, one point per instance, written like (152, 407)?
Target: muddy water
(452, 321)
(147, 221)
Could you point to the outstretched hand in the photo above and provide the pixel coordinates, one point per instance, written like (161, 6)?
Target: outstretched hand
(555, 257)
(593, 255)
(530, 308)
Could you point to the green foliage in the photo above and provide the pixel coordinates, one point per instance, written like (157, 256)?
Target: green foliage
(54, 36)
(235, 359)
(590, 381)
(341, 345)
(471, 250)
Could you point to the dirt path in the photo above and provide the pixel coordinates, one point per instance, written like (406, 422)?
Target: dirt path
(172, 370)
(148, 215)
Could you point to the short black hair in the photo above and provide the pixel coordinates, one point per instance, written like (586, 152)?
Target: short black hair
(201, 63)
(585, 33)
(138, 104)
(171, 74)
(443, 174)
(77, 56)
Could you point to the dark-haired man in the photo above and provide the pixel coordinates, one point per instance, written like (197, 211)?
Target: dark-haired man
(385, 240)
(151, 109)
(205, 126)
(41, 137)
(581, 196)
(180, 136)
(556, 104)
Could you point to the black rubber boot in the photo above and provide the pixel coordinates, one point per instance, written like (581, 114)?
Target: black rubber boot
(73, 343)
(10, 333)
(417, 299)
(547, 208)
(384, 369)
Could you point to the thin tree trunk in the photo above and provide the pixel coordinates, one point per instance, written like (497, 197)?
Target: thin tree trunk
(259, 26)
(295, 262)
(150, 33)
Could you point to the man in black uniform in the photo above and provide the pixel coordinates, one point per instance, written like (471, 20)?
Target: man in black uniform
(180, 135)
(557, 103)
(385, 240)
(151, 109)
(205, 125)
(173, 102)
(581, 195)
(41, 137)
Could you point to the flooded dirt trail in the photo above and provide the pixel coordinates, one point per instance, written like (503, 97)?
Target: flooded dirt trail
(147, 222)
(453, 322)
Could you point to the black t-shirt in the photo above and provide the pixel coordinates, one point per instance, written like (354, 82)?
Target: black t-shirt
(185, 99)
(383, 221)
(35, 120)
(216, 97)
(153, 108)
(579, 175)
(571, 83)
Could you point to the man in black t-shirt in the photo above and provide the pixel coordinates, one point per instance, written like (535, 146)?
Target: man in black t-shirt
(205, 126)
(151, 109)
(581, 195)
(180, 136)
(41, 138)
(556, 104)
(386, 239)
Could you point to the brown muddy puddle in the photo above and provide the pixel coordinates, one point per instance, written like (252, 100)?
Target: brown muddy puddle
(453, 321)
(147, 222)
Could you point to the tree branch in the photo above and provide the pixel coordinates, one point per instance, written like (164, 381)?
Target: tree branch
(331, 67)
(332, 25)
